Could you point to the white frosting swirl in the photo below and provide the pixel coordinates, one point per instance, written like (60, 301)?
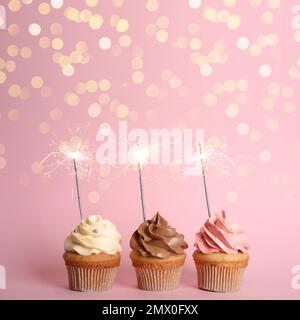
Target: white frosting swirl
(94, 235)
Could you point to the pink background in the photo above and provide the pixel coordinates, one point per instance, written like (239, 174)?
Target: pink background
(262, 191)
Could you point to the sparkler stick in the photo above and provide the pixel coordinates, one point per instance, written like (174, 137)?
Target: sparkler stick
(140, 156)
(75, 156)
(142, 190)
(204, 181)
(78, 189)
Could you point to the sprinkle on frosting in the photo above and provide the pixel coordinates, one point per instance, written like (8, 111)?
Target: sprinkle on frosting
(219, 234)
(156, 238)
(92, 236)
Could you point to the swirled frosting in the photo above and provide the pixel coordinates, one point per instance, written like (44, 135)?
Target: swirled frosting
(156, 238)
(94, 235)
(219, 234)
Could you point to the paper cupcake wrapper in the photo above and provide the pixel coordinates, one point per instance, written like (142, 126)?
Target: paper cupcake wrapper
(91, 279)
(219, 279)
(158, 279)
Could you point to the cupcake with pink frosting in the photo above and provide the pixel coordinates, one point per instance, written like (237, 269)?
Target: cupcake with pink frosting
(221, 254)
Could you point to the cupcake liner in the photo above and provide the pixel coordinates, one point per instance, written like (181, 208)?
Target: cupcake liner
(219, 279)
(95, 272)
(158, 279)
(220, 272)
(155, 274)
(90, 279)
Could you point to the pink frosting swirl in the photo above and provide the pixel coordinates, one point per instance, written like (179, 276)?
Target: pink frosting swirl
(219, 234)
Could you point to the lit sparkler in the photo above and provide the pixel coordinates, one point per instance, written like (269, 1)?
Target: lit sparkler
(209, 155)
(73, 155)
(204, 181)
(140, 156)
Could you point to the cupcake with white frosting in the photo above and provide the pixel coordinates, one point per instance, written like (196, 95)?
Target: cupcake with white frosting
(92, 254)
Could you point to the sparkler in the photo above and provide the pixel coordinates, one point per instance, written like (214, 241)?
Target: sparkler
(74, 155)
(204, 181)
(209, 155)
(140, 155)
(77, 188)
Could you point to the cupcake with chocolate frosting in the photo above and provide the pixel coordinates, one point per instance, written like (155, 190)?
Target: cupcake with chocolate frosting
(157, 254)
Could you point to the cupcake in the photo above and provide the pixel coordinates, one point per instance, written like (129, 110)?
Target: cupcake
(92, 254)
(157, 255)
(221, 256)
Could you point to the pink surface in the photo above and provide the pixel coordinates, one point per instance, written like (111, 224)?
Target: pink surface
(261, 130)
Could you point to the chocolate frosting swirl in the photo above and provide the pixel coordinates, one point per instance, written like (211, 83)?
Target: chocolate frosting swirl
(156, 238)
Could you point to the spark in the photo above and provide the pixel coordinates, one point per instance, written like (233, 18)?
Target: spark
(212, 156)
(66, 151)
(74, 155)
(140, 155)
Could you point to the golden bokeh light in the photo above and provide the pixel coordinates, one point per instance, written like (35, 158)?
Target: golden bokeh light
(104, 85)
(91, 86)
(13, 30)
(209, 99)
(122, 111)
(93, 196)
(71, 99)
(267, 17)
(44, 128)
(103, 98)
(25, 52)
(117, 3)
(45, 92)
(242, 98)
(94, 110)
(2, 163)
(44, 42)
(56, 114)
(37, 167)
(152, 5)
(162, 35)
(230, 3)
(56, 28)
(122, 25)
(2, 77)
(37, 82)
(14, 115)
(14, 5)
(2, 149)
(104, 184)
(14, 90)
(10, 66)
(152, 90)
(96, 22)
(44, 8)
(80, 88)
(175, 82)
(232, 110)
(104, 171)
(137, 77)
(12, 50)
(57, 43)
(72, 14)
(163, 22)
(125, 41)
(91, 3)
(195, 43)
(255, 135)
(233, 22)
